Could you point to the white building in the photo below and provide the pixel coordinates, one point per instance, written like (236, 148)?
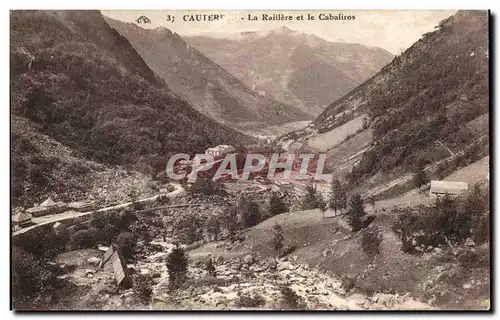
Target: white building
(452, 188)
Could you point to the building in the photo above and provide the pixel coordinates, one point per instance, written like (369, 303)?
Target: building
(112, 263)
(452, 188)
(220, 150)
(82, 206)
(330, 213)
(22, 220)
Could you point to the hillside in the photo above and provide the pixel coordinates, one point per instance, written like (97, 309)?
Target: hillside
(86, 88)
(203, 83)
(429, 106)
(296, 68)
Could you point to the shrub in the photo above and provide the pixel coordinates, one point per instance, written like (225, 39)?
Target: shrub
(32, 278)
(82, 239)
(370, 242)
(189, 228)
(205, 186)
(277, 239)
(420, 177)
(213, 227)
(290, 299)
(209, 266)
(230, 222)
(249, 213)
(177, 263)
(247, 301)
(126, 242)
(143, 287)
(276, 205)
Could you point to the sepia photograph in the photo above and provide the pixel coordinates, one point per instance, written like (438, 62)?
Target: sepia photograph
(244, 160)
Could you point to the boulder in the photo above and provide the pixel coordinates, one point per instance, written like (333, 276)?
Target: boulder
(248, 259)
(469, 242)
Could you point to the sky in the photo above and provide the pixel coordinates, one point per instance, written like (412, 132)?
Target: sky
(394, 31)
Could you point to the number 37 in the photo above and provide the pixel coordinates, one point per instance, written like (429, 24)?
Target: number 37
(170, 18)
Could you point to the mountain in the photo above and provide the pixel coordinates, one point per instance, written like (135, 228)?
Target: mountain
(428, 107)
(296, 68)
(81, 86)
(206, 85)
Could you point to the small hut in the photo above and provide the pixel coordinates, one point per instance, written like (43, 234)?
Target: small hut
(22, 220)
(112, 263)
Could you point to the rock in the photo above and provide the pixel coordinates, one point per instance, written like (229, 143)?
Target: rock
(294, 258)
(90, 275)
(325, 253)
(437, 251)
(94, 261)
(467, 286)
(469, 242)
(89, 271)
(306, 266)
(272, 264)
(219, 259)
(248, 259)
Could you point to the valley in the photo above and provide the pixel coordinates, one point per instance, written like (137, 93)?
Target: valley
(99, 106)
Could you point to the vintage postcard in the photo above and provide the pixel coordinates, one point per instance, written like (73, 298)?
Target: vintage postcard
(250, 160)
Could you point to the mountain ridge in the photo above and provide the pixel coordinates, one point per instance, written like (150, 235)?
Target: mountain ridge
(209, 87)
(304, 67)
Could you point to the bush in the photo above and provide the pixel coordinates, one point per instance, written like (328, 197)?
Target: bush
(276, 205)
(126, 242)
(209, 266)
(82, 239)
(277, 239)
(247, 301)
(177, 263)
(189, 228)
(290, 299)
(143, 287)
(450, 220)
(213, 227)
(230, 222)
(370, 242)
(249, 213)
(205, 186)
(32, 278)
(420, 177)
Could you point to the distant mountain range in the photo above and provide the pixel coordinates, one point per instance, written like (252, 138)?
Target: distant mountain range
(207, 86)
(296, 68)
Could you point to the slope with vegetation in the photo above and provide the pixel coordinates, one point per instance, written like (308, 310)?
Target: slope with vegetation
(89, 90)
(423, 107)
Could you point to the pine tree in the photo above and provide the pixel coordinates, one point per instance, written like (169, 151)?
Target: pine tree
(213, 227)
(420, 177)
(312, 199)
(338, 196)
(356, 212)
(209, 265)
(230, 222)
(177, 264)
(277, 239)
